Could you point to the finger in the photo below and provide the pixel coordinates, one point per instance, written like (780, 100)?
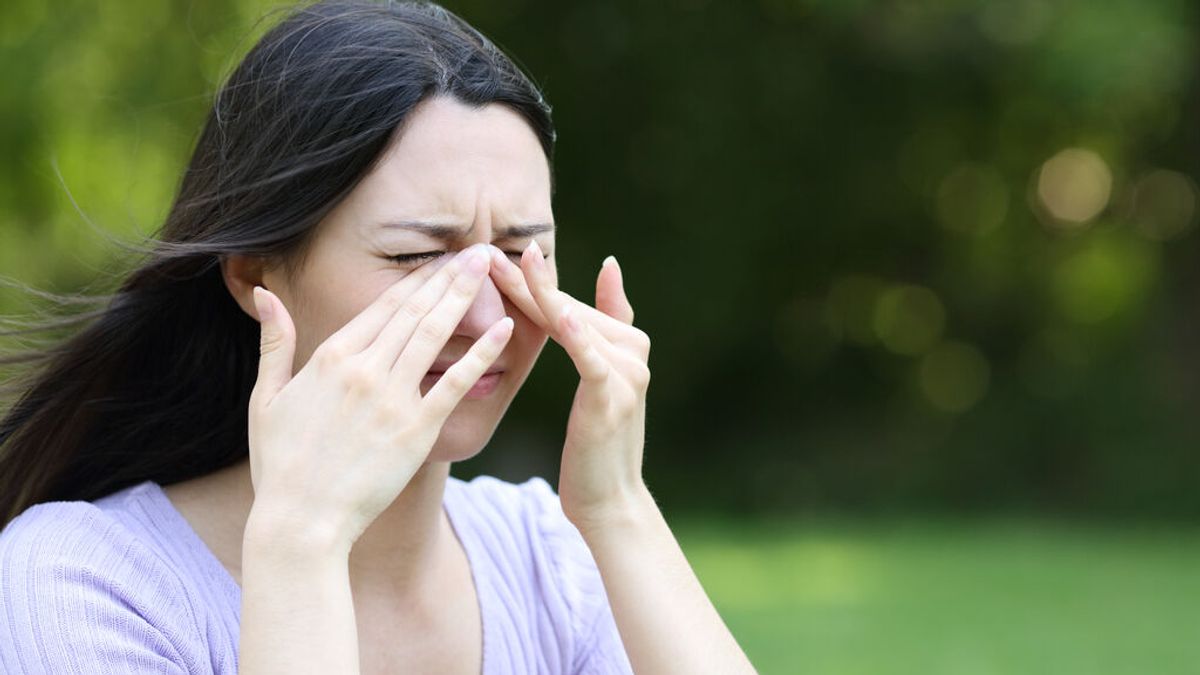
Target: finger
(610, 292)
(577, 341)
(552, 301)
(450, 388)
(545, 292)
(277, 346)
(511, 281)
(430, 334)
(361, 331)
(467, 269)
(625, 368)
(618, 357)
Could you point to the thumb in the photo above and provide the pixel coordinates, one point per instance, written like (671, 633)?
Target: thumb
(277, 346)
(610, 292)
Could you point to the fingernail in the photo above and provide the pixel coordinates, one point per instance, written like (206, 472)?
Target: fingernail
(497, 254)
(262, 304)
(610, 260)
(477, 259)
(507, 327)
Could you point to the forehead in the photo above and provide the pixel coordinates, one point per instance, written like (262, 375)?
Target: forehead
(457, 163)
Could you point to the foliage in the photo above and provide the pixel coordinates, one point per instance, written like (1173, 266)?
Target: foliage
(890, 253)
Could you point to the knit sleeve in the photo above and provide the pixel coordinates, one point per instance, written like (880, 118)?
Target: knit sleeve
(83, 595)
(598, 647)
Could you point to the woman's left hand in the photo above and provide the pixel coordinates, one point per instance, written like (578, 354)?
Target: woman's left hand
(601, 473)
(666, 622)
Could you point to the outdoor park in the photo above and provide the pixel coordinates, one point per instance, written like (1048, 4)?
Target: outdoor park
(922, 280)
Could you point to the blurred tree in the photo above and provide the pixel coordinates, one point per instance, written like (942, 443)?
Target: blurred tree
(891, 254)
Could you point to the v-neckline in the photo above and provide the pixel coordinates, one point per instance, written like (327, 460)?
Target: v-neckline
(458, 523)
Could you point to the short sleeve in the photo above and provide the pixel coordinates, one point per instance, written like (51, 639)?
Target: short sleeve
(598, 646)
(82, 595)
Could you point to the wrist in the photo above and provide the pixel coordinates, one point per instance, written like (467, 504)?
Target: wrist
(622, 515)
(274, 532)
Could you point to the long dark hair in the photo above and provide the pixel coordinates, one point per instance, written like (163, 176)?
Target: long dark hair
(155, 380)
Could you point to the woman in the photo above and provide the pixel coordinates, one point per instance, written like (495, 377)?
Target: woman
(241, 463)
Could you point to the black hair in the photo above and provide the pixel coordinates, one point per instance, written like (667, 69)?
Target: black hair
(154, 384)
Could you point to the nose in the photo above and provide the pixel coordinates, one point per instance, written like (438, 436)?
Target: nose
(486, 309)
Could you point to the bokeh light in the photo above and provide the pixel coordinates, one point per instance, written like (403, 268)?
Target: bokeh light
(954, 376)
(909, 319)
(850, 308)
(1074, 186)
(1105, 277)
(972, 198)
(1164, 204)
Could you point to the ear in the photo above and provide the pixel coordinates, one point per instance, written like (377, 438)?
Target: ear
(241, 274)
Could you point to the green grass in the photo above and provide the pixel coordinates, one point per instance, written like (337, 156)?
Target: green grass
(955, 598)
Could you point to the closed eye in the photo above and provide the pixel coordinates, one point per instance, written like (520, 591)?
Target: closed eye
(430, 255)
(415, 257)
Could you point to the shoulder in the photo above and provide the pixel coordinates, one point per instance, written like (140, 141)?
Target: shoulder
(525, 521)
(82, 590)
(77, 535)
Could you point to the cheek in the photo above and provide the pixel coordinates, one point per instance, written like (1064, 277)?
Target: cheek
(323, 312)
(521, 321)
(526, 342)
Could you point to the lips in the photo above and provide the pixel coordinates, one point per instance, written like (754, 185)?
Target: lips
(442, 367)
(482, 388)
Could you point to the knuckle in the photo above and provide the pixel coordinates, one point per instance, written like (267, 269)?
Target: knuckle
(642, 342)
(358, 377)
(389, 411)
(330, 352)
(457, 379)
(415, 309)
(269, 343)
(431, 330)
(640, 376)
(393, 297)
(465, 287)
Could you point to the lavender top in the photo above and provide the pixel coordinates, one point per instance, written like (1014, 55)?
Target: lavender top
(125, 585)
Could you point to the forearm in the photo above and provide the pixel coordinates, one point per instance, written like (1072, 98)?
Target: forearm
(666, 621)
(297, 609)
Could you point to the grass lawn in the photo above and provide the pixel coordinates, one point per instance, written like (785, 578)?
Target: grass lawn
(954, 597)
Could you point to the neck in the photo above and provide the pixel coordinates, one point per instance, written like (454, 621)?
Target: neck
(402, 546)
(399, 549)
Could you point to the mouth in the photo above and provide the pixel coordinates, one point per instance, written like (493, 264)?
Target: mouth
(483, 387)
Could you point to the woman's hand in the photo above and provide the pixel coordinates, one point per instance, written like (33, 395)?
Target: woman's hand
(601, 474)
(666, 622)
(331, 447)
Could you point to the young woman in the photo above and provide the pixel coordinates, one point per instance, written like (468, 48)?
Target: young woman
(240, 463)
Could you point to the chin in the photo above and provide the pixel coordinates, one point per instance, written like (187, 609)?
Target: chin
(462, 439)
(471, 426)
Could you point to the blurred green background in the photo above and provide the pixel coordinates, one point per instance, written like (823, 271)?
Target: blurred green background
(922, 279)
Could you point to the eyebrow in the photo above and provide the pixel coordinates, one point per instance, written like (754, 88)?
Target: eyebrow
(447, 232)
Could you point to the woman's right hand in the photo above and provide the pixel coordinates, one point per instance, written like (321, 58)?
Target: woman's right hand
(332, 446)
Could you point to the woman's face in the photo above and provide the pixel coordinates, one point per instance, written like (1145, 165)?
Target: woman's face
(474, 173)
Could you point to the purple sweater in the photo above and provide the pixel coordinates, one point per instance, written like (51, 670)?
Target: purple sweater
(124, 585)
